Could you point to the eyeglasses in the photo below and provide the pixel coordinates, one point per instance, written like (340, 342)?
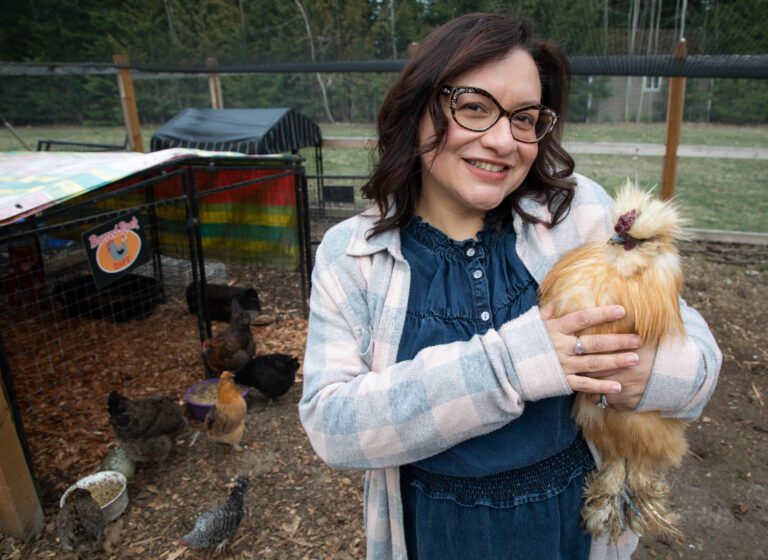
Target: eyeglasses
(477, 110)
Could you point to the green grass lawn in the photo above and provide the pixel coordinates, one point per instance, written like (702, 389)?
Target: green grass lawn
(725, 194)
(96, 135)
(714, 193)
(654, 133)
(645, 133)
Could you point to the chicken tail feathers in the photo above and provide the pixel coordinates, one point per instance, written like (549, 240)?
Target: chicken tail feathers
(116, 404)
(211, 418)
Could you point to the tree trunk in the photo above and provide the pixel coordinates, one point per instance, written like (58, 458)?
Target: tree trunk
(171, 30)
(312, 55)
(634, 16)
(392, 28)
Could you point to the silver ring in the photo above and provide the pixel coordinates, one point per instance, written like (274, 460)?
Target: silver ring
(578, 348)
(603, 402)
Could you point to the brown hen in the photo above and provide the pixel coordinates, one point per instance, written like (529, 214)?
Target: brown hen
(231, 349)
(225, 422)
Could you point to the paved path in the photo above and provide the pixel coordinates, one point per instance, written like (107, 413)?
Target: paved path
(685, 150)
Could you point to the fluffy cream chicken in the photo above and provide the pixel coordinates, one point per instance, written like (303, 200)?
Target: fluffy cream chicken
(638, 268)
(225, 422)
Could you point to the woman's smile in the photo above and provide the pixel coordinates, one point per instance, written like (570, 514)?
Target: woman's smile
(486, 166)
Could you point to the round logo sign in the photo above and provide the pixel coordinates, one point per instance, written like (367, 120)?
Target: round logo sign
(118, 253)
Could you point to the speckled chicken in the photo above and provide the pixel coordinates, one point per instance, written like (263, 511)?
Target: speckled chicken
(145, 428)
(216, 527)
(80, 523)
(271, 374)
(225, 422)
(231, 349)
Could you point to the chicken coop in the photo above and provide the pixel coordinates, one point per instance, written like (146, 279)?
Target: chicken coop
(112, 266)
(331, 198)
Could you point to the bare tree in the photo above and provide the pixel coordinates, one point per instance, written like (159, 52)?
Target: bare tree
(312, 55)
(654, 22)
(634, 18)
(392, 28)
(242, 17)
(169, 15)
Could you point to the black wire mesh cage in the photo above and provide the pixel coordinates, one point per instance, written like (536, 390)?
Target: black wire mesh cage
(216, 229)
(247, 218)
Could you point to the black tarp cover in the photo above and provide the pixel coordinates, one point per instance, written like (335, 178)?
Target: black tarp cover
(248, 131)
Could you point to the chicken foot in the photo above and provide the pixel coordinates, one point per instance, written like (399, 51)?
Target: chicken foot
(618, 496)
(603, 500)
(650, 497)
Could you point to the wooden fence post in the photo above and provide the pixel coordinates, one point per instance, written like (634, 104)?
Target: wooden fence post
(675, 106)
(128, 102)
(214, 84)
(21, 514)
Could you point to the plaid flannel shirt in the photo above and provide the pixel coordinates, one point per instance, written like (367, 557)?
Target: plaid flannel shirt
(361, 410)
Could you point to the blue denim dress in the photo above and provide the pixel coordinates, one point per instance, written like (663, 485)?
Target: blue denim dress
(513, 493)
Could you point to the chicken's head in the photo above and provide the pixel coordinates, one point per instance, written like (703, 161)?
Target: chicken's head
(210, 351)
(640, 219)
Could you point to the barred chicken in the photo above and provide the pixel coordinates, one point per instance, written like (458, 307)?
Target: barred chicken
(231, 349)
(145, 428)
(80, 523)
(638, 268)
(216, 527)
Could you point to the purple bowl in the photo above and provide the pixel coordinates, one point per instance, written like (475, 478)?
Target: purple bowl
(200, 410)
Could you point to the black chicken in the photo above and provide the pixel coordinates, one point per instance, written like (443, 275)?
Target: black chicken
(145, 428)
(216, 526)
(272, 374)
(231, 349)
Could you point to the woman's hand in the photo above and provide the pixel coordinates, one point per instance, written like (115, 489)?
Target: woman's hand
(633, 379)
(605, 363)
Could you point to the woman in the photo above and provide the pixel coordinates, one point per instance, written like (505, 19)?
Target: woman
(428, 362)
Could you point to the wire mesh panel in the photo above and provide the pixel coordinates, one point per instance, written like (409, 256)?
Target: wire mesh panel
(332, 199)
(256, 223)
(69, 336)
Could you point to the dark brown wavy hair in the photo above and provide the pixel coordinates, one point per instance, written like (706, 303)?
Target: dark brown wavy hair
(465, 43)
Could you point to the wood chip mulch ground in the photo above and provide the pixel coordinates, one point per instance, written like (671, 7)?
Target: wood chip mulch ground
(296, 507)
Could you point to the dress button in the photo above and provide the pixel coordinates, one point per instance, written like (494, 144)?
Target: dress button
(471, 252)
(477, 274)
(485, 315)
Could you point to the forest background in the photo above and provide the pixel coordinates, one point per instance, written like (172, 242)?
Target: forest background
(183, 33)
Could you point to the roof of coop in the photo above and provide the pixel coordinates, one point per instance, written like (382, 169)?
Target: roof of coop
(248, 131)
(31, 182)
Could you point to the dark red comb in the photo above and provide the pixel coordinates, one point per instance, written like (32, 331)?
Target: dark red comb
(626, 221)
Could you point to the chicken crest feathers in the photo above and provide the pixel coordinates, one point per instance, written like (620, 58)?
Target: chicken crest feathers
(653, 218)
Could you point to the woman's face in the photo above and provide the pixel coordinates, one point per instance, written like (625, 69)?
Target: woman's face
(472, 172)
